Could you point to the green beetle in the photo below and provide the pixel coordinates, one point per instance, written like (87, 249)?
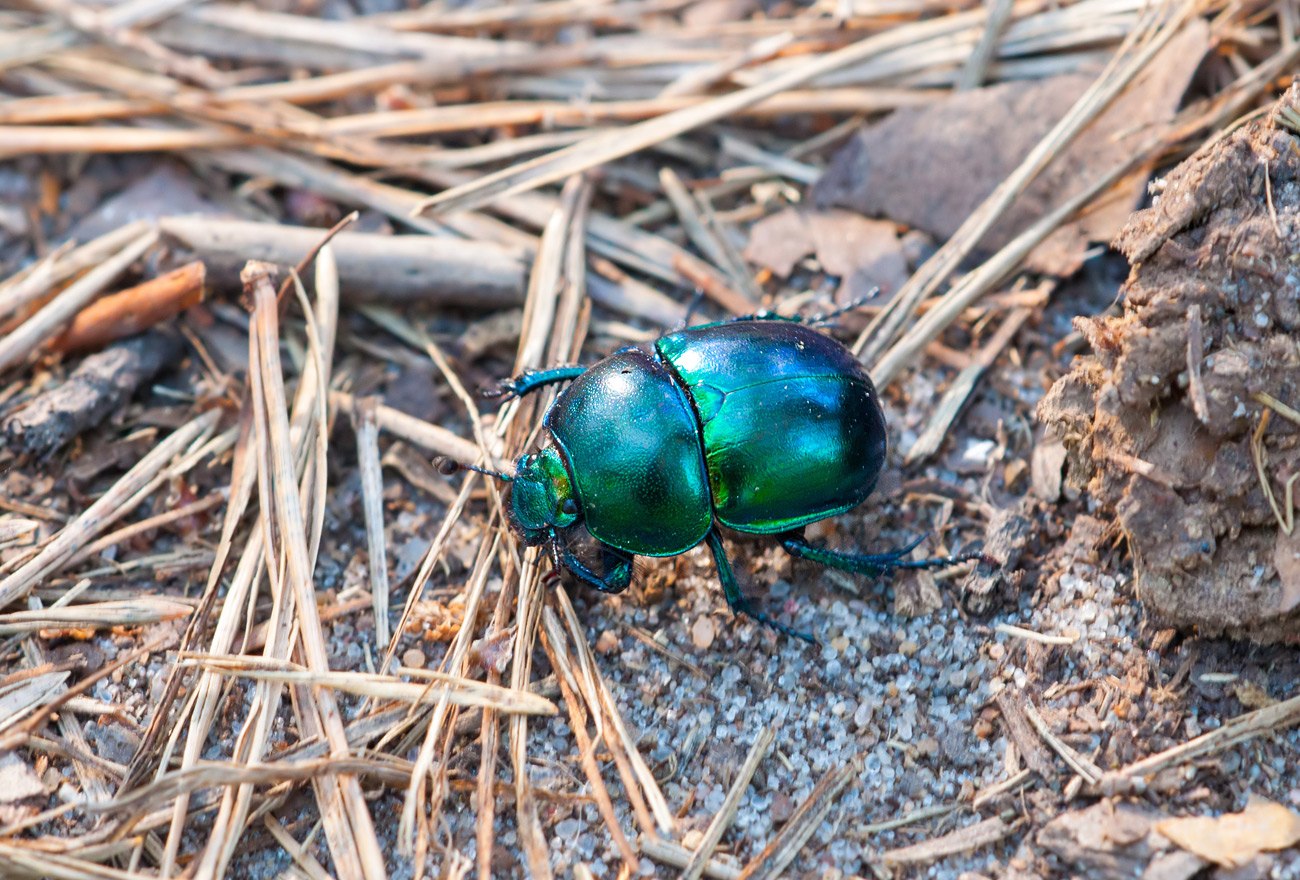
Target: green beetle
(762, 425)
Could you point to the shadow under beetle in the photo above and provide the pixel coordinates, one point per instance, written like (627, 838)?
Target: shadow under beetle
(761, 424)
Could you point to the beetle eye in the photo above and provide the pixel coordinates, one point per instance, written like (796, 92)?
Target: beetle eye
(569, 507)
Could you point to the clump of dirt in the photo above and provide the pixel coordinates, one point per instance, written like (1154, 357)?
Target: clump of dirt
(1183, 420)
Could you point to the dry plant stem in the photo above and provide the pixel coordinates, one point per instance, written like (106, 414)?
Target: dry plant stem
(962, 840)
(668, 852)
(348, 826)
(961, 388)
(386, 268)
(33, 332)
(688, 214)
(557, 650)
(372, 495)
(976, 66)
(777, 855)
(976, 283)
(111, 506)
(604, 148)
(1090, 772)
(145, 525)
(696, 82)
(639, 783)
(432, 437)
(451, 688)
(532, 840)
(489, 746)
(415, 827)
(62, 264)
(694, 869)
(935, 270)
(201, 709)
(1243, 728)
(96, 615)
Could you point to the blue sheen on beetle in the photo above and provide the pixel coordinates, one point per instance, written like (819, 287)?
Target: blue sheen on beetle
(762, 425)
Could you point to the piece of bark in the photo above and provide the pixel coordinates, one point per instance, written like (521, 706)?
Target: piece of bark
(398, 269)
(134, 310)
(1011, 531)
(99, 385)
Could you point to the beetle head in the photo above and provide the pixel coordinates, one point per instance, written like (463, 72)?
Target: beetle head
(541, 496)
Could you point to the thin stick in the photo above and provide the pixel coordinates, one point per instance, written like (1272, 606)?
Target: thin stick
(33, 332)
(372, 492)
(604, 148)
(935, 270)
(694, 869)
(111, 506)
(777, 855)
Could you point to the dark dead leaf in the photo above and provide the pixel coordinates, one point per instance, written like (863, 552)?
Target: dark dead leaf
(864, 253)
(932, 166)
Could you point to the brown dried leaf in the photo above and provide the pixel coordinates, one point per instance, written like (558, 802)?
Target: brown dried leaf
(932, 166)
(1233, 839)
(864, 253)
(18, 781)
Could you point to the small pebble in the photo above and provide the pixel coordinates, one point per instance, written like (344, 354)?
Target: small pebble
(413, 658)
(703, 632)
(607, 642)
(782, 807)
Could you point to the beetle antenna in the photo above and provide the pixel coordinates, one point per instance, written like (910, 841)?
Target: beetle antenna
(447, 466)
(851, 306)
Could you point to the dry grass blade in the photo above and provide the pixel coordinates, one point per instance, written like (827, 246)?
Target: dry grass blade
(962, 840)
(694, 869)
(58, 266)
(557, 648)
(111, 506)
(1243, 728)
(955, 397)
(19, 861)
(372, 493)
(348, 825)
(648, 801)
(1108, 86)
(454, 689)
(37, 329)
(19, 697)
(415, 826)
(604, 148)
(96, 615)
(669, 853)
(434, 438)
(777, 855)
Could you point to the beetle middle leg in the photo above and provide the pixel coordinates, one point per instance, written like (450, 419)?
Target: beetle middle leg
(739, 603)
(870, 563)
(530, 381)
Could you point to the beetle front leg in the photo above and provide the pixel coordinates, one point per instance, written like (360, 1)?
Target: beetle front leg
(616, 580)
(871, 563)
(737, 600)
(529, 381)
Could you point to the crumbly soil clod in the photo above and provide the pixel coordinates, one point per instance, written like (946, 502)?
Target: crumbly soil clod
(1162, 422)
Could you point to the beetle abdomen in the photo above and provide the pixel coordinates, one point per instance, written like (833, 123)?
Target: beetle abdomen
(792, 429)
(632, 445)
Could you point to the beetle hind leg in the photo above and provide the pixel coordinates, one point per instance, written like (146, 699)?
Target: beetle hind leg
(738, 602)
(871, 563)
